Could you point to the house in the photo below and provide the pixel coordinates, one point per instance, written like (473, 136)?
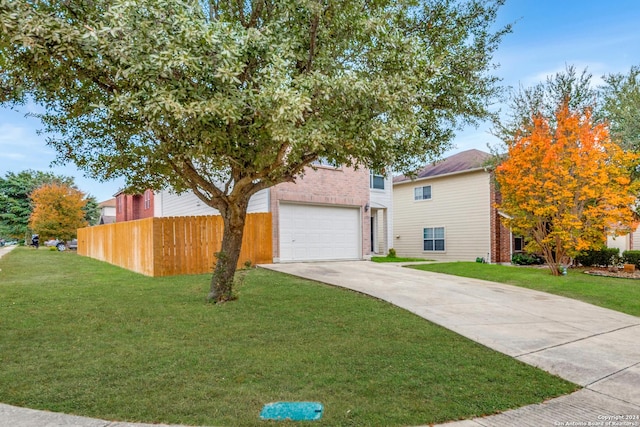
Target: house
(107, 211)
(625, 242)
(330, 213)
(447, 212)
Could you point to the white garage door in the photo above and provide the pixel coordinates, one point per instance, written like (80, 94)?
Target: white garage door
(313, 233)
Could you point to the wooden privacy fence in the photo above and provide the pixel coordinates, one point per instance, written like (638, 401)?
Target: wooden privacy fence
(173, 245)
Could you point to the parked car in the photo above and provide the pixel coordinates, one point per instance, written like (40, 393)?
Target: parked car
(61, 245)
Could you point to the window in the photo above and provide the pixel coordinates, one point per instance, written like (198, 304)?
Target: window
(376, 181)
(433, 239)
(422, 193)
(147, 199)
(518, 243)
(119, 204)
(323, 161)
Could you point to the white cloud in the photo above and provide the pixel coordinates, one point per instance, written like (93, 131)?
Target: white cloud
(12, 156)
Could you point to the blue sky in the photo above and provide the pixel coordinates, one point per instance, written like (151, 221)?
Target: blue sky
(603, 37)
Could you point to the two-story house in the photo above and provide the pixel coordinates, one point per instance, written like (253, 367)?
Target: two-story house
(107, 211)
(330, 213)
(447, 212)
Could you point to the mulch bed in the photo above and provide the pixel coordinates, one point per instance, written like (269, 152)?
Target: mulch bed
(619, 273)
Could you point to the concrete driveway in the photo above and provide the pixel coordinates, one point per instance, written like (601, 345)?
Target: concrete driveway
(594, 347)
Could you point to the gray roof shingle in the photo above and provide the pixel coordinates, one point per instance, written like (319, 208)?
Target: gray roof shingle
(460, 162)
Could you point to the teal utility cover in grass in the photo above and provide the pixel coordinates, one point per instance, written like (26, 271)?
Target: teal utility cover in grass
(296, 411)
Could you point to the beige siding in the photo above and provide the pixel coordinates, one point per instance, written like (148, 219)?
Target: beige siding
(621, 242)
(460, 203)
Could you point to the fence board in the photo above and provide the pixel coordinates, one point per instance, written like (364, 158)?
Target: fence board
(174, 245)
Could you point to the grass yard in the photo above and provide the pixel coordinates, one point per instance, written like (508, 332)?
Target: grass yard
(84, 337)
(617, 294)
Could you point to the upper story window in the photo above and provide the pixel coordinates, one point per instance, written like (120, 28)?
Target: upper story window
(376, 181)
(322, 161)
(422, 193)
(119, 203)
(147, 199)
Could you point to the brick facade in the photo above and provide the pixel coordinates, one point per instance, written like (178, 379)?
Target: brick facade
(325, 186)
(130, 207)
(501, 243)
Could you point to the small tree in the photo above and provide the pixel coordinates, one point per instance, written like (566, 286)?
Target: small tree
(58, 211)
(564, 184)
(91, 210)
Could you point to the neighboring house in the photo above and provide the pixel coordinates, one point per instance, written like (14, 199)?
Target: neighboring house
(107, 211)
(327, 214)
(625, 242)
(134, 206)
(447, 212)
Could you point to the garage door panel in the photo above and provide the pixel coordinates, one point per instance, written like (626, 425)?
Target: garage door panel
(311, 232)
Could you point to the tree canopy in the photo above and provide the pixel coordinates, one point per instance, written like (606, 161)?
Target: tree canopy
(620, 106)
(58, 211)
(228, 98)
(569, 87)
(616, 102)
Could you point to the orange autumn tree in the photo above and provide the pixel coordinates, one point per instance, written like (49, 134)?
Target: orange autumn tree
(565, 185)
(57, 211)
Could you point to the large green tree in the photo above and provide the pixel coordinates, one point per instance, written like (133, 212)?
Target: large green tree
(620, 106)
(570, 87)
(226, 98)
(15, 204)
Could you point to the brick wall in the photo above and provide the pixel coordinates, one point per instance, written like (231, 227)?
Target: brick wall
(130, 207)
(325, 186)
(500, 235)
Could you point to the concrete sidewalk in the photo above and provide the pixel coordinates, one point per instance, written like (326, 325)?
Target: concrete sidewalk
(594, 347)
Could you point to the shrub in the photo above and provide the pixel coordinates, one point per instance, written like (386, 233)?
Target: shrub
(526, 259)
(631, 257)
(392, 253)
(599, 257)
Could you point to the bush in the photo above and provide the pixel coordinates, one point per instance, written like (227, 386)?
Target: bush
(599, 257)
(631, 257)
(526, 259)
(392, 253)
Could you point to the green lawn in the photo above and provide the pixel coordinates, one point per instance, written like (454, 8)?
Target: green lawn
(84, 337)
(617, 294)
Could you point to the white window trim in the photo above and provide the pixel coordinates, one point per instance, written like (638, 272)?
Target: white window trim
(422, 200)
(322, 163)
(372, 175)
(444, 239)
(147, 199)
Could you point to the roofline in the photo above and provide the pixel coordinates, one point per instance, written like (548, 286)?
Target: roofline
(480, 168)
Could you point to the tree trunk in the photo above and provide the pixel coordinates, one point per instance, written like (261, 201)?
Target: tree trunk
(223, 276)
